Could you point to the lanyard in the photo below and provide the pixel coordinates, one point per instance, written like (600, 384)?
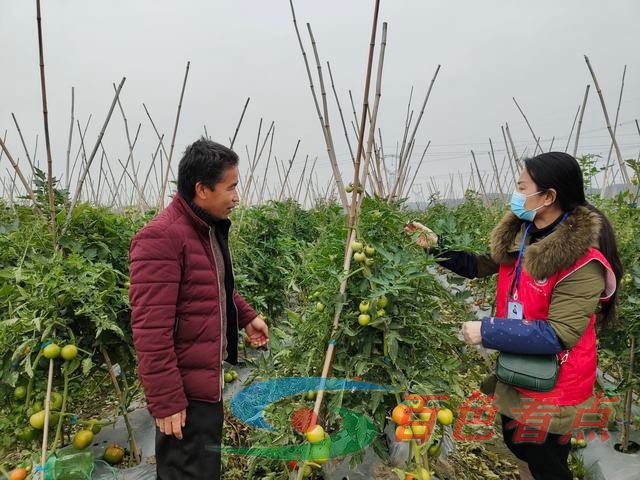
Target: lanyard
(515, 284)
(516, 281)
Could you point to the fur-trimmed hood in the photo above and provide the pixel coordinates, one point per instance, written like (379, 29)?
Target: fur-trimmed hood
(568, 242)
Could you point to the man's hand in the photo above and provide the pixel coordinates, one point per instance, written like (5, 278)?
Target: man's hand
(257, 331)
(472, 333)
(427, 237)
(173, 425)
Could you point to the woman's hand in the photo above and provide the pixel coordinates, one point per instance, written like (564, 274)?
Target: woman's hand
(472, 333)
(427, 237)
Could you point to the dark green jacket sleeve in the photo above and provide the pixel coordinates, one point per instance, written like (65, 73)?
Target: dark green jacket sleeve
(465, 264)
(574, 300)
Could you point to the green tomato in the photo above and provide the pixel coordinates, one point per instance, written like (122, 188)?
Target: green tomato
(364, 306)
(364, 319)
(319, 307)
(357, 246)
(51, 351)
(359, 257)
(56, 401)
(20, 392)
(27, 434)
(69, 352)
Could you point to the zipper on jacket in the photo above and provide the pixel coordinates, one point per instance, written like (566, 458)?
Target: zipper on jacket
(213, 254)
(233, 301)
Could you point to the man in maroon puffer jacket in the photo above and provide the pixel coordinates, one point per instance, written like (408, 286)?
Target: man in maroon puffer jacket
(186, 312)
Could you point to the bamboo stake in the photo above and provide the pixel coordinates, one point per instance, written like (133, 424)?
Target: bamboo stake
(495, 170)
(355, 116)
(266, 169)
(35, 153)
(298, 186)
(165, 181)
(45, 114)
(484, 191)
(24, 146)
(307, 191)
(513, 149)
(114, 192)
(13, 186)
(344, 126)
(407, 125)
(235, 134)
(417, 124)
(118, 190)
(22, 178)
(584, 106)
(99, 180)
(4, 140)
(572, 127)
(623, 167)
(436, 189)
(461, 181)
(126, 129)
(286, 177)
(353, 216)
(384, 165)
(403, 164)
(84, 159)
(47, 408)
(415, 174)
(68, 179)
(325, 120)
(615, 128)
(376, 103)
(4, 188)
(278, 171)
(424, 104)
(472, 178)
(450, 193)
(153, 161)
(257, 157)
(93, 154)
(503, 165)
(509, 158)
(133, 447)
(80, 149)
(535, 138)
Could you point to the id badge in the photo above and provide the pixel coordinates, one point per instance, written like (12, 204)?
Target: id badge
(514, 310)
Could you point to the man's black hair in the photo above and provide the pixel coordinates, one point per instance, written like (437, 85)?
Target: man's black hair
(203, 161)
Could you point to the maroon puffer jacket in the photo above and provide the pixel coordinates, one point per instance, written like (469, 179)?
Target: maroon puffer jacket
(174, 284)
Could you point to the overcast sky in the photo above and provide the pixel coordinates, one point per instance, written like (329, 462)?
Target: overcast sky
(490, 51)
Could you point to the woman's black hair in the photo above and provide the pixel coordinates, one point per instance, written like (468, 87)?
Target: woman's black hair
(561, 172)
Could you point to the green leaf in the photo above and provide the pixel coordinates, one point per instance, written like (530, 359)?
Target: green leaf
(87, 365)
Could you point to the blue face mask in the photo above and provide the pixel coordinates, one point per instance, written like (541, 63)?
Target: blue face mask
(518, 200)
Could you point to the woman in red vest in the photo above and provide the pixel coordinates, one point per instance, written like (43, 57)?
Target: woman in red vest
(557, 264)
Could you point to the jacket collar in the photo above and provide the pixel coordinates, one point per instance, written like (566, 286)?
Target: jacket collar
(568, 242)
(198, 221)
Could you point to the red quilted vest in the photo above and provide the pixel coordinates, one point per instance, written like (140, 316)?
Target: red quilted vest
(577, 375)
